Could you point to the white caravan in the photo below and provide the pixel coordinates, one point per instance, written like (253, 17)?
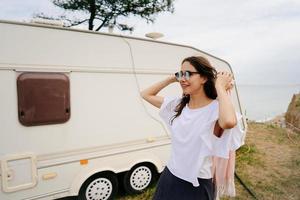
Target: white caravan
(72, 121)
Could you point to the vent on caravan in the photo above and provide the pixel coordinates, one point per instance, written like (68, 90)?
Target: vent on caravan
(154, 35)
(48, 22)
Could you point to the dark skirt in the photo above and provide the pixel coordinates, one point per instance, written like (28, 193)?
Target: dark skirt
(170, 187)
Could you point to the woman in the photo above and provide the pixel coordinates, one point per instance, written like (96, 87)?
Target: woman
(204, 132)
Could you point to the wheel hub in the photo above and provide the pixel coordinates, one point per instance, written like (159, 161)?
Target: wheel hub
(99, 189)
(140, 178)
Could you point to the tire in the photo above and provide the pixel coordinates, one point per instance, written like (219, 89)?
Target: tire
(101, 186)
(139, 178)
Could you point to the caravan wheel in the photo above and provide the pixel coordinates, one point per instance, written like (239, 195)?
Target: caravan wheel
(139, 178)
(102, 186)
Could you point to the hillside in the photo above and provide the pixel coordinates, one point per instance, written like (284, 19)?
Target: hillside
(269, 164)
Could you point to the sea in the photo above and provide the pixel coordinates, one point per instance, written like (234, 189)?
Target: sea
(264, 102)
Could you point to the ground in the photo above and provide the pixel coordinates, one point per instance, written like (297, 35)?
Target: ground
(268, 163)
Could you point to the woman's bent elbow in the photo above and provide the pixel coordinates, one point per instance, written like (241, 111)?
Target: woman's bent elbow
(229, 124)
(142, 94)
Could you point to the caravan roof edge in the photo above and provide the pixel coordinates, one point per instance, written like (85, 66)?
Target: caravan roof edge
(109, 34)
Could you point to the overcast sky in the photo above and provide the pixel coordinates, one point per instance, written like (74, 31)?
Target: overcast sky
(260, 39)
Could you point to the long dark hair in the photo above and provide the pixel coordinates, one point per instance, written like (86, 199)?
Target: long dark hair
(205, 69)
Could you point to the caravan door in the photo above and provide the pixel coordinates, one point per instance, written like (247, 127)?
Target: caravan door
(18, 172)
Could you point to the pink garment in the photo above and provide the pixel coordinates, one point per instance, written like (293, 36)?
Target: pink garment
(223, 175)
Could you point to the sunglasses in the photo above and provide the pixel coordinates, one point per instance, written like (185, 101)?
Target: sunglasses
(186, 74)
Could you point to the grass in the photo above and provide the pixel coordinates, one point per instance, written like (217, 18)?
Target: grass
(147, 194)
(268, 163)
(246, 156)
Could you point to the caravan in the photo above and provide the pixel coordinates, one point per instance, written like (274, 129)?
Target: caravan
(72, 121)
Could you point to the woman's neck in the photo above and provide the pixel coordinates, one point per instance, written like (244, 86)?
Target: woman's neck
(199, 100)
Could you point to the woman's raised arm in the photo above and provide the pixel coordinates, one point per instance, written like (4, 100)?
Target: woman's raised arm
(150, 93)
(227, 117)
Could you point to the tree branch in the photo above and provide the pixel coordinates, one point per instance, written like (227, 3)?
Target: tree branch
(103, 22)
(76, 23)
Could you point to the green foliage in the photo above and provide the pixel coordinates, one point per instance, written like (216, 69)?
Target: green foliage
(105, 11)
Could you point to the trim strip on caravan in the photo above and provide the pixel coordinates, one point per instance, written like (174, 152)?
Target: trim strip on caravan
(50, 160)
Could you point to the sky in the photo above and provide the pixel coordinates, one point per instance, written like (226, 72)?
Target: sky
(260, 39)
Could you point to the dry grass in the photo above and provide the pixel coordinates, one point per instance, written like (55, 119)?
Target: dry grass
(269, 164)
(273, 169)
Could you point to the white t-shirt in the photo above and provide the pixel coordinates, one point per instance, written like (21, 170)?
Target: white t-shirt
(193, 141)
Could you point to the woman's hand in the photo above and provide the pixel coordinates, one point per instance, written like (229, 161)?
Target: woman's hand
(224, 81)
(172, 78)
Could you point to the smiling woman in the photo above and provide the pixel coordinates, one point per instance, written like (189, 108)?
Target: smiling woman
(204, 129)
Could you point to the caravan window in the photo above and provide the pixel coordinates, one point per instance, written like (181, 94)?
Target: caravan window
(43, 98)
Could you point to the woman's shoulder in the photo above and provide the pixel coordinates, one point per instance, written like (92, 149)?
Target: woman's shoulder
(171, 101)
(213, 111)
(214, 106)
(167, 109)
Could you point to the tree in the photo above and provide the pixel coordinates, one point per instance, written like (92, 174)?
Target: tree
(107, 11)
